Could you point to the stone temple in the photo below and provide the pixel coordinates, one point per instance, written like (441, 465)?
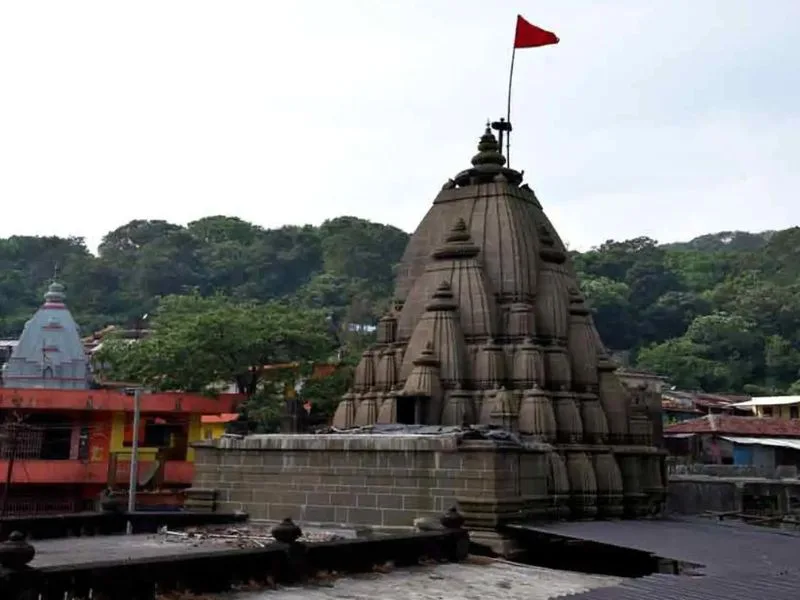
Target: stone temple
(49, 353)
(489, 328)
(488, 389)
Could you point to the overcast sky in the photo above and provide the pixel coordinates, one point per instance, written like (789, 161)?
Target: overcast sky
(667, 118)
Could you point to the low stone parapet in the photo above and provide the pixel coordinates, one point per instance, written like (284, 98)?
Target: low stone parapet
(196, 571)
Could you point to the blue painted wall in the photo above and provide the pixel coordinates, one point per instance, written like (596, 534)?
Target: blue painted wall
(742, 454)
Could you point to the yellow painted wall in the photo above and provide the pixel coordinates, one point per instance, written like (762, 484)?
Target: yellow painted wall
(213, 431)
(117, 432)
(118, 437)
(195, 435)
(779, 412)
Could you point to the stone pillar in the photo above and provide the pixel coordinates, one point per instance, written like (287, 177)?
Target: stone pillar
(492, 472)
(583, 485)
(557, 486)
(609, 485)
(633, 498)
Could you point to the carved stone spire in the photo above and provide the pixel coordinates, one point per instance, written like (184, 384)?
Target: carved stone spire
(456, 262)
(364, 378)
(489, 324)
(439, 328)
(488, 371)
(536, 416)
(423, 383)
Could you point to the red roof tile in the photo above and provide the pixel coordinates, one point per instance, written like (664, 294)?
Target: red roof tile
(222, 418)
(736, 425)
(718, 400)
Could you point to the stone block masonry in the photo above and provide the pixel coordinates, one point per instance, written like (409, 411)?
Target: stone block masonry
(376, 480)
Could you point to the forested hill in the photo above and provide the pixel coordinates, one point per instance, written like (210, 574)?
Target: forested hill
(720, 312)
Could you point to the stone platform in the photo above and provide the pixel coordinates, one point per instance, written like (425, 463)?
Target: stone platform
(389, 480)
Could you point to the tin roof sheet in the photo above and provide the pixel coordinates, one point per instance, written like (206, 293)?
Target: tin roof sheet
(741, 561)
(721, 548)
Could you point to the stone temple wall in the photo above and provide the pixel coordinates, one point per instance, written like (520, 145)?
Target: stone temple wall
(389, 480)
(337, 479)
(349, 479)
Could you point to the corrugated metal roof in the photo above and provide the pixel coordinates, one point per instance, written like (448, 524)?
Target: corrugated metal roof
(721, 548)
(769, 401)
(741, 562)
(780, 586)
(765, 441)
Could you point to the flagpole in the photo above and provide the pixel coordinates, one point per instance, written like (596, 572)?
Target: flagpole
(508, 106)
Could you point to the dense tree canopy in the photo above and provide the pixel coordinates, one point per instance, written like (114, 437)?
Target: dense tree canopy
(719, 313)
(199, 343)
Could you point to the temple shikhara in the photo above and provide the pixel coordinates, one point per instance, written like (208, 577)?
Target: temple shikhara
(49, 353)
(489, 328)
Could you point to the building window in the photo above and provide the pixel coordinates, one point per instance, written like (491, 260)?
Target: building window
(767, 411)
(153, 433)
(794, 412)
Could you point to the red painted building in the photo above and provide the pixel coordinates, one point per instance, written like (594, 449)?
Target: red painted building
(62, 441)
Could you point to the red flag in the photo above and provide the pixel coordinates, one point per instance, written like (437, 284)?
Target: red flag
(531, 36)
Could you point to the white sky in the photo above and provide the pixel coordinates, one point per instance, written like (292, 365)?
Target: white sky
(668, 118)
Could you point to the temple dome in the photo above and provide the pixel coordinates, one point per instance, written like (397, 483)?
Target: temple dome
(49, 353)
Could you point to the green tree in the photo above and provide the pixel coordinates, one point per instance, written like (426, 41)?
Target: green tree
(201, 344)
(730, 299)
(670, 315)
(612, 311)
(686, 365)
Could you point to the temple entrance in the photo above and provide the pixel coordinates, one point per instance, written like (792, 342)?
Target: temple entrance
(407, 410)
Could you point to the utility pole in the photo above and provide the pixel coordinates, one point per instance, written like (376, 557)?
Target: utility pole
(12, 430)
(11, 438)
(133, 481)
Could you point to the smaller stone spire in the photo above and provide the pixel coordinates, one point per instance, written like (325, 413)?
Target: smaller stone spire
(549, 251)
(442, 298)
(423, 382)
(459, 232)
(457, 244)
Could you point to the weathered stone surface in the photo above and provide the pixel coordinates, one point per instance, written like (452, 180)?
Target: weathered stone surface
(446, 582)
(370, 479)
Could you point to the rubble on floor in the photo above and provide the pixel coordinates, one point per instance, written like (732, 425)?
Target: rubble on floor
(249, 536)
